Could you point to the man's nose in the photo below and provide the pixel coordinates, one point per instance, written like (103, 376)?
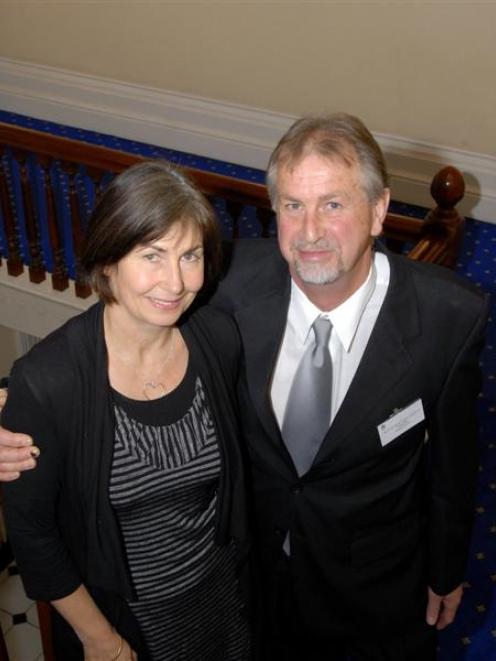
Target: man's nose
(311, 225)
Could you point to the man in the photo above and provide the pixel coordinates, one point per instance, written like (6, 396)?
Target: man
(361, 484)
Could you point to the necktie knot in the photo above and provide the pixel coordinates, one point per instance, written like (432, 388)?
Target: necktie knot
(322, 331)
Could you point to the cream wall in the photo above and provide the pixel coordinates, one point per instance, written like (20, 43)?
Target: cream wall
(421, 70)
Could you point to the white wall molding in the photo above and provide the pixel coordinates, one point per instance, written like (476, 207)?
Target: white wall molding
(216, 129)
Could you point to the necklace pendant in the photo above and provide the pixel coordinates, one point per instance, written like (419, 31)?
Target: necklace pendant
(154, 390)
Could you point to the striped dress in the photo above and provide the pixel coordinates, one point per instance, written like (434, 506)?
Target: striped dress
(163, 487)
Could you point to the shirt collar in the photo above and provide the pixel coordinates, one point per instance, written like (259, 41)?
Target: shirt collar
(345, 318)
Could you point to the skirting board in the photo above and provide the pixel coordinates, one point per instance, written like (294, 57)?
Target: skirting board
(221, 130)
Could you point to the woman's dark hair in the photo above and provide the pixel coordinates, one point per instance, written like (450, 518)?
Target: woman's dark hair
(139, 206)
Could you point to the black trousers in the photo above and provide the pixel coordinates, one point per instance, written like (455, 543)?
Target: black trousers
(285, 639)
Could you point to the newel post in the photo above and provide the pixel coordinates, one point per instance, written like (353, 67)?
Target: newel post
(447, 189)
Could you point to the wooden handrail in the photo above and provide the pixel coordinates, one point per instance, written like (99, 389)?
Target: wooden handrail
(105, 159)
(435, 239)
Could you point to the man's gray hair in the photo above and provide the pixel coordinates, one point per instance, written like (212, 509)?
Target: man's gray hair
(340, 136)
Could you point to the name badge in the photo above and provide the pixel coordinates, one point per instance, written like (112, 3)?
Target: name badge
(400, 422)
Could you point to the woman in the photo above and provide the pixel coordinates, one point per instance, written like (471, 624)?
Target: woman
(133, 525)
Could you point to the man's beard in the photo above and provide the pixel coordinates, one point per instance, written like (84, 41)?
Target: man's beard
(316, 273)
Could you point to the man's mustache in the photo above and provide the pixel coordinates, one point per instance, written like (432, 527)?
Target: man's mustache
(320, 244)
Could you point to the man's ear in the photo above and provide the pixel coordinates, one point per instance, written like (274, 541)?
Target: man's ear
(379, 212)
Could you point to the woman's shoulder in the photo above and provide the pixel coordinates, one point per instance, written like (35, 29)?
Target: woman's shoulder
(51, 362)
(48, 353)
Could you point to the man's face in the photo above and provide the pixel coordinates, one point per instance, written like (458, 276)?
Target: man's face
(325, 223)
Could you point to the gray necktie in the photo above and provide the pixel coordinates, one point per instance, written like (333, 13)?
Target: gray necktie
(308, 410)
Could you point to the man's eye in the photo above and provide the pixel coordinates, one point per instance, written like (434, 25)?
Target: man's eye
(333, 205)
(151, 257)
(292, 206)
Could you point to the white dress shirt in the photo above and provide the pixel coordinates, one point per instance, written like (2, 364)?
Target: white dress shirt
(352, 324)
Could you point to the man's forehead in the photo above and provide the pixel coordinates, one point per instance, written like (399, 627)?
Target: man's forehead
(346, 158)
(315, 168)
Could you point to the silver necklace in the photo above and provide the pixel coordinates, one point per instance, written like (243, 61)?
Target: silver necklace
(153, 389)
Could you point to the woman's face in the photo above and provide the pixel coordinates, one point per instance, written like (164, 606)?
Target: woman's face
(156, 282)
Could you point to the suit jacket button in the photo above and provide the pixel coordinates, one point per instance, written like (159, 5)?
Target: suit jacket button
(297, 488)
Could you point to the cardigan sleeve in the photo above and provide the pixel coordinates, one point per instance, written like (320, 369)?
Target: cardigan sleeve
(31, 502)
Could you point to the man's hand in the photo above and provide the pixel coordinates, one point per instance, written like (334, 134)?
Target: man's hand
(441, 611)
(17, 452)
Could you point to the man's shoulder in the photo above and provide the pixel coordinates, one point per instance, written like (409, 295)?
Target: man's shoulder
(252, 269)
(213, 330)
(211, 320)
(246, 256)
(438, 280)
(252, 266)
(440, 292)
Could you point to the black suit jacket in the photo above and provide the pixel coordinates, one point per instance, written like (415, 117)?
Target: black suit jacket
(371, 526)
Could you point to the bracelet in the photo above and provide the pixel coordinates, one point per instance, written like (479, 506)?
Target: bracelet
(119, 650)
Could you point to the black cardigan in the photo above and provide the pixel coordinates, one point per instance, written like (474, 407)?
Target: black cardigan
(61, 524)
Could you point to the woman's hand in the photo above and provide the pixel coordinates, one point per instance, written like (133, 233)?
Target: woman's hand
(101, 642)
(115, 648)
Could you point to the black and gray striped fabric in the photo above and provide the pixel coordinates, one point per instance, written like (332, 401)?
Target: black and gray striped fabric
(163, 488)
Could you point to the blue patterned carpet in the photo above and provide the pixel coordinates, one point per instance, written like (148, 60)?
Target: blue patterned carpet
(473, 635)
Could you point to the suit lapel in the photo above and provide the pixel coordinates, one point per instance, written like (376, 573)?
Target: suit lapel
(385, 361)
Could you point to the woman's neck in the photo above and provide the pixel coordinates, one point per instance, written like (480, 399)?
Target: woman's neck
(143, 363)
(140, 342)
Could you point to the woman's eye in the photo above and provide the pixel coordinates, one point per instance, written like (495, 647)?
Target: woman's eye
(191, 256)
